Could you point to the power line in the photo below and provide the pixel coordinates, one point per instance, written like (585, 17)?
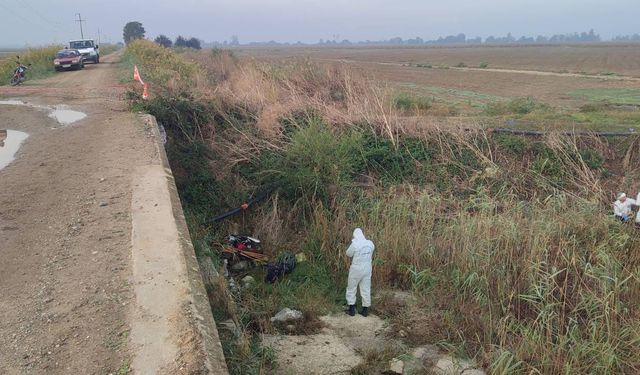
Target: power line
(6, 7)
(56, 25)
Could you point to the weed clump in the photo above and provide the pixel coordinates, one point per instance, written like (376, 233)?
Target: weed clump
(519, 106)
(314, 162)
(411, 103)
(512, 144)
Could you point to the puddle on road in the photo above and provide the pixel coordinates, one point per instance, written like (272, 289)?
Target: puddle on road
(60, 113)
(12, 102)
(66, 116)
(10, 142)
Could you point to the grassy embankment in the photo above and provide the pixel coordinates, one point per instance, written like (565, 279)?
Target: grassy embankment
(505, 243)
(41, 60)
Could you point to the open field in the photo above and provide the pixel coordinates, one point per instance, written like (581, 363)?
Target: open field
(9, 52)
(592, 59)
(566, 76)
(564, 83)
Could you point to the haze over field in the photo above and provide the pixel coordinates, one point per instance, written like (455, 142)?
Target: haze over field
(38, 22)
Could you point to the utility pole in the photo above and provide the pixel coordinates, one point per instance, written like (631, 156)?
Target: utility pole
(99, 37)
(81, 21)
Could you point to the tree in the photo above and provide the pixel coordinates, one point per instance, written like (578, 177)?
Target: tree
(164, 41)
(194, 43)
(133, 30)
(234, 40)
(187, 43)
(180, 41)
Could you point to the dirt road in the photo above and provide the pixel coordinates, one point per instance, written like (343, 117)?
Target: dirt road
(65, 226)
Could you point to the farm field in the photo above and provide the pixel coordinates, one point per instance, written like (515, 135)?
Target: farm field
(7, 52)
(591, 59)
(466, 80)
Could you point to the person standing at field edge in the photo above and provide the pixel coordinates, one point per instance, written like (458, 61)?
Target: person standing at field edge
(622, 207)
(361, 252)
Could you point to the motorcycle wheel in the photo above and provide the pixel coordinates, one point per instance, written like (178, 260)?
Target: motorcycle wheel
(15, 81)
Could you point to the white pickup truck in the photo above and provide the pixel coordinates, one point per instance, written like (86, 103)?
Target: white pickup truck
(87, 48)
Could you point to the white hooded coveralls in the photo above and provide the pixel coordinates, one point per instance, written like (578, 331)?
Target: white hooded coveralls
(361, 252)
(622, 209)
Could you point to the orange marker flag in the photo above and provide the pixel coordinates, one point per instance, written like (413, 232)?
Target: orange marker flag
(136, 74)
(145, 92)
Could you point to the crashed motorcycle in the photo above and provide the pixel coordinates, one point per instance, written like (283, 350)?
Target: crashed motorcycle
(243, 248)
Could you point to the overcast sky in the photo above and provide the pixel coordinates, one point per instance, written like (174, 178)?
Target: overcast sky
(37, 22)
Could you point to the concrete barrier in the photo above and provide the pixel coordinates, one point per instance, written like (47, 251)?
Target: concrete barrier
(172, 328)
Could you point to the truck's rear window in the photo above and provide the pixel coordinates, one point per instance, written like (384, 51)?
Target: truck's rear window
(81, 44)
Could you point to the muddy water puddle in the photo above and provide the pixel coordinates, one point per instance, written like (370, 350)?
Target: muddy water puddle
(66, 116)
(61, 113)
(10, 142)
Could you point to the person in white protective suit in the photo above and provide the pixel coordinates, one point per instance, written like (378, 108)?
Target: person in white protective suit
(361, 252)
(622, 207)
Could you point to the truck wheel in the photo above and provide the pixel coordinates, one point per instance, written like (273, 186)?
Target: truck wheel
(98, 60)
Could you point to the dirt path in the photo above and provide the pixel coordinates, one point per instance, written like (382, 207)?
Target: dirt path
(65, 226)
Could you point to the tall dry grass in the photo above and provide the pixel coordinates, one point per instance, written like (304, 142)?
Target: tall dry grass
(506, 243)
(41, 60)
(546, 286)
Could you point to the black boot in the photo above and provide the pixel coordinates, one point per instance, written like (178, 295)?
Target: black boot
(365, 311)
(352, 310)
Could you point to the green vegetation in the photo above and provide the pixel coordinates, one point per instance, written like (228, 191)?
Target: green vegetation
(41, 60)
(466, 98)
(590, 117)
(505, 243)
(626, 96)
(483, 65)
(520, 106)
(159, 65)
(407, 102)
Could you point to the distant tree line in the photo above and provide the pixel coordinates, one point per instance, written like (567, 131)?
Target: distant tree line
(180, 42)
(134, 30)
(233, 43)
(627, 38)
(584, 37)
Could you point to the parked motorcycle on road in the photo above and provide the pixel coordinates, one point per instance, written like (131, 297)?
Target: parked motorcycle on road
(19, 74)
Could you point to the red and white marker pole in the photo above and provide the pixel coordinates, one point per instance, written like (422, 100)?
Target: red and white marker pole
(136, 76)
